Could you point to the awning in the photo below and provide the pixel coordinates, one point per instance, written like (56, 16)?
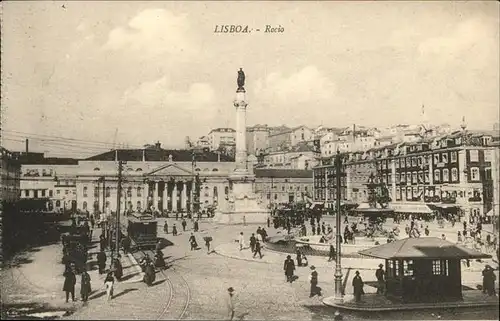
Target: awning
(445, 206)
(423, 248)
(411, 208)
(314, 204)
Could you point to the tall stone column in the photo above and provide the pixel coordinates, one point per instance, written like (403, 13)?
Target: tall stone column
(174, 197)
(155, 195)
(165, 196)
(184, 196)
(241, 148)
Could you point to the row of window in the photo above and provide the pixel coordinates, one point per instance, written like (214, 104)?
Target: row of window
(43, 192)
(439, 267)
(282, 187)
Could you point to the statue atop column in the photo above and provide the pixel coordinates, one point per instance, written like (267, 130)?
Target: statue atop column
(241, 79)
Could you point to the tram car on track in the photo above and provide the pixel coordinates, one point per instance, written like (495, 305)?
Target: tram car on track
(75, 249)
(142, 230)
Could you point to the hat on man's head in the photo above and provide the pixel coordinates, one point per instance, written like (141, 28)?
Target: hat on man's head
(288, 257)
(380, 265)
(312, 267)
(230, 289)
(357, 272)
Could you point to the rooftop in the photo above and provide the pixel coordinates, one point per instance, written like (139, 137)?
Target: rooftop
(423, 248)
(283, 173)
(160, 154)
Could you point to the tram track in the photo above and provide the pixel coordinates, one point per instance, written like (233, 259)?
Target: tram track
(173, 309)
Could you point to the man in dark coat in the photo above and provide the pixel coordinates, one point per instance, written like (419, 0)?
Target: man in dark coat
(289, 267)
(192, 241)
(489, 280)
(323, 228)
(118, 268)
(126, 244)
(258, 231)
(174, 230)
(257, 249)
(357, 284)
(102, 242)
(85, 287)
(253, 240)
(313, 280)
(195, 226)
(69, 283)
(263, 233)
(183, 223)
(380, 275)
(331, 255)
(299, 258)
(101, 261)
(268, 222)
(165, 227)
(318, 230)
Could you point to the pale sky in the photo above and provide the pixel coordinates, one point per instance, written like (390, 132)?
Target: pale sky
(157, 71)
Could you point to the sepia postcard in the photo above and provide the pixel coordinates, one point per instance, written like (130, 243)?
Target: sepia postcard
(250, 160)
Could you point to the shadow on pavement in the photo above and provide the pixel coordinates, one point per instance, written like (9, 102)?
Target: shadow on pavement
(98, 295)
(129, 276)
(158, 282)
(124, 292)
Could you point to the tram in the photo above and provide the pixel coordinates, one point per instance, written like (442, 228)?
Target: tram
(142, 230)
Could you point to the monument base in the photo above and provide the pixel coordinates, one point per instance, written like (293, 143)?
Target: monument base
(243, 217)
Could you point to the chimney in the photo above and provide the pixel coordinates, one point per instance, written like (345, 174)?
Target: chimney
(158, 145)
(27, 144)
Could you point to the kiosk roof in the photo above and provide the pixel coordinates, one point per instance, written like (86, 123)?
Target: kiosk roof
(423, 248)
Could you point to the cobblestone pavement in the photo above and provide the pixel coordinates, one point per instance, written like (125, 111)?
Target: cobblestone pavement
(200, 281)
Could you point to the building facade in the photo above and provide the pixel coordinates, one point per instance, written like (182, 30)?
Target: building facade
(449, 171)
(10, 178)
(221, 137)
(275, 186)
(257, 137)
(280, 140)
(301, 156)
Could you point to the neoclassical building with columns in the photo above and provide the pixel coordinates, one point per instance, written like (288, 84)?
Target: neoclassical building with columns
(153, 178)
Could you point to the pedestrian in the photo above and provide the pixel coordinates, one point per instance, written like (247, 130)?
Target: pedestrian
(102, 242)
(109, 284)
(489, 278)
(380, 275)
(118, 268)
(92, 221)
(426, 230)
(253, 240)
(303, 230)
(244, 221)
(346, 221)
(331, 255)
(101, 261)
(165, 227)
(176, 215)
(158, 246)
(126, 244)
(263, 233)
(268, 222)
(313, 280)
(183, 223)
(257, 249)
(289, 267)
(85, 287)
(443, 237)
(192, 241)
(459, 237)
(241, 241)
(207, 243)
(299, 258)
(174, 230)
(318, 230)
(230, 303)
(357, 284)
(323, 228)
(195, 226)
(258, 231)
(69, 283)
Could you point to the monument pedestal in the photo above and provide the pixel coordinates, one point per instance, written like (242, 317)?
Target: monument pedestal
(243, 205)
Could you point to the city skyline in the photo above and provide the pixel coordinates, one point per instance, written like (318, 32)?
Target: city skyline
(157, 71)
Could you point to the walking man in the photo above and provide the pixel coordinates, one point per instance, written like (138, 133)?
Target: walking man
(174, 230)
(69, 283)
(253, 240)
(184, 225)
(85, 288)
(257, 249)
(331, 255)
(289, 267)
(165, 227)
(380, 274)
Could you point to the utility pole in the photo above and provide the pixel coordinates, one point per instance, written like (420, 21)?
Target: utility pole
(338, 297)
(118, 199)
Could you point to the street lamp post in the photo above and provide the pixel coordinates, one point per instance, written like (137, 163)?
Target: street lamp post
(338, 297)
